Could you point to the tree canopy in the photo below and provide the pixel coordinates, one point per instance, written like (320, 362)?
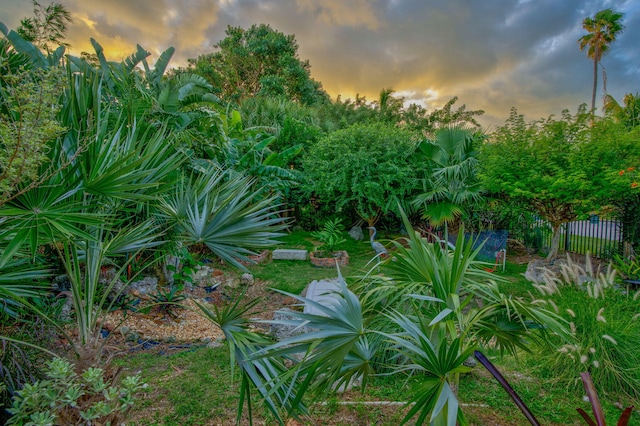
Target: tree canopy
(559, 168)
(259, 61)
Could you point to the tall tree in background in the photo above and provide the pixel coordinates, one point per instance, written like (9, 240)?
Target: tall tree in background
(47, 27)
(603, 29)
(259, 61)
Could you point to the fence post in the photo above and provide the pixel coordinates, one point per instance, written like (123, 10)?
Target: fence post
(567, 241)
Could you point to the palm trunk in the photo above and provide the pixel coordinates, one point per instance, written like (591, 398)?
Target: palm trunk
(596, 60)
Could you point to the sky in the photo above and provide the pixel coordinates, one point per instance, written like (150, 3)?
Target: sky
(492, 54)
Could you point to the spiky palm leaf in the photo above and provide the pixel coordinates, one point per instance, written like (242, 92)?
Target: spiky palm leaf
(265, 374)
(439, 361)
(224, 213)
(453, 184)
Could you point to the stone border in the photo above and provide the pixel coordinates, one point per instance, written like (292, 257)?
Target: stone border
(330, 262)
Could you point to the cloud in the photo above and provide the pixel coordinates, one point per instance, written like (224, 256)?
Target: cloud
(355, 13)
(491, 54)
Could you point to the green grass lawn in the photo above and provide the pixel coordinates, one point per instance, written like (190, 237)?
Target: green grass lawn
(195, 387)
(293, 275)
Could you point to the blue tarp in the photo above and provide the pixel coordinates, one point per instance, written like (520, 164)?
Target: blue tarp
(494, 241)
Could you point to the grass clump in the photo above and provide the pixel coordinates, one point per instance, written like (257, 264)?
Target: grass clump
(604, 321)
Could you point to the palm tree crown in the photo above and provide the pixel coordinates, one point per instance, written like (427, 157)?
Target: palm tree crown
(603, 30)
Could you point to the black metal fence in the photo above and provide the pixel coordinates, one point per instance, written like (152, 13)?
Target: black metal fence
(600, 238)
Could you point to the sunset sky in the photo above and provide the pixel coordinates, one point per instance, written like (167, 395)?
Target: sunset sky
(492, 54)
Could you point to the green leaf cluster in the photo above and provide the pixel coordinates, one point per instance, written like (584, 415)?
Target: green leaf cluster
(331, 235)
(65, 397)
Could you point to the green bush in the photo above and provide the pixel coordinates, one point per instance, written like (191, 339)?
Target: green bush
(604, 320)
(65, 397)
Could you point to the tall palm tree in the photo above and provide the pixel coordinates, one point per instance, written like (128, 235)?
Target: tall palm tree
(603, 29)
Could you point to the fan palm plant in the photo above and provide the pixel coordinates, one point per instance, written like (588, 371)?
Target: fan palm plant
(109, 181)
(269, 375)
(452, 185)
(426, 316)
(222, 212)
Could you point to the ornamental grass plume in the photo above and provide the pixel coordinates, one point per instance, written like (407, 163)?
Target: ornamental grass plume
(605, 322)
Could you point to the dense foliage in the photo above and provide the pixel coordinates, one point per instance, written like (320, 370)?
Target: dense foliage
(559, 168)
(362, 170)
(101, 161)
(259, 61)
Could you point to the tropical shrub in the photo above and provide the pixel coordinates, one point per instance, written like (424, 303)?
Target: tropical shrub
(628, 268)
(560, 168)
(452, 185)
(65, 397)
(604, 323)
(107, 179)
(362, 170)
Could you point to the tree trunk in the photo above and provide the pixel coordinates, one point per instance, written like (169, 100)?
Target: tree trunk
(555, 241)
(595, 81)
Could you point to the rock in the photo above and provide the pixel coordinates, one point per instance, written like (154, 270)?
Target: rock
(107, 275)
(147, 285)
(202, 274)
(537, 269)
(356, 233)
(118, 289)
(246, 279)
(67, 309)
(215, 344)
(289, 254)
(355, 381)
(470, 362)
(325, 292)
(284, 331)
(132, 337)
(61, 283)
(124, 330)
(168, 274)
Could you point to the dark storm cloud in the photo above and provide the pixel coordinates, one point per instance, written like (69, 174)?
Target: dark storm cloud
(492, 54)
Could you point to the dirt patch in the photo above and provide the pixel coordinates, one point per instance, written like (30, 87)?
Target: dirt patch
(185, 323)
